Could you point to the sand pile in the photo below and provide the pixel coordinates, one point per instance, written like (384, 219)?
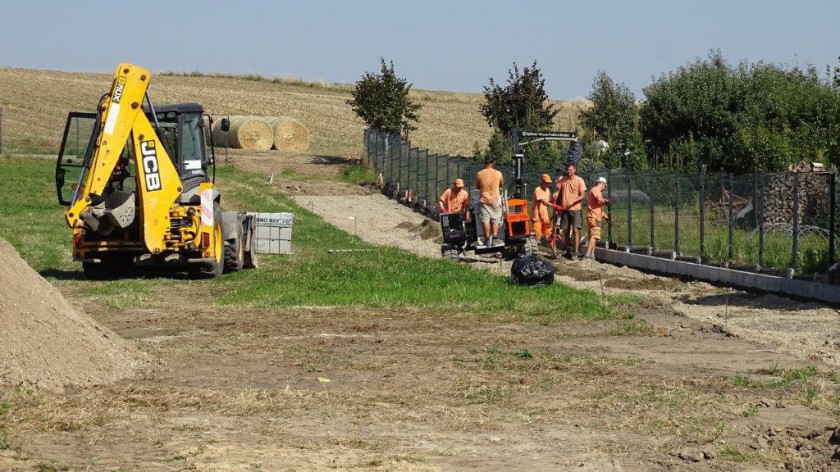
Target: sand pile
(48, 343)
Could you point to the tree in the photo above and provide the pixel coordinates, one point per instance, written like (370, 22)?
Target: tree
(521, 104)
(383, 102)
(614, 118)
(737, 119)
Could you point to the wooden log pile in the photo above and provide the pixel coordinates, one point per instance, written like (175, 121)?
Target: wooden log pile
(813, 195)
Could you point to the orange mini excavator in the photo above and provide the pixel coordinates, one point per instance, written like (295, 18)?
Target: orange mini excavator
(517, 232)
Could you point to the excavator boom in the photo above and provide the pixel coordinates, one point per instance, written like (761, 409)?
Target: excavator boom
(122, 120)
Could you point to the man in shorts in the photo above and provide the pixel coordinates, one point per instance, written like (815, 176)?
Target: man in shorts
(594, 214)
(571, 192)
(488, 181)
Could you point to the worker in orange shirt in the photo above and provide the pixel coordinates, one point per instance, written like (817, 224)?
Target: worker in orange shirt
(489, 181)
(455, 200)
(542, 202)
(594, 214)
(571, 192)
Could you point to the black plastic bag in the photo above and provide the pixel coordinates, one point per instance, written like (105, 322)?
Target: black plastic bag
(532, 270)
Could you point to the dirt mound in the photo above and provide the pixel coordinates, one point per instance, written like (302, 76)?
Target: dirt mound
(429, 229)
(47, 342)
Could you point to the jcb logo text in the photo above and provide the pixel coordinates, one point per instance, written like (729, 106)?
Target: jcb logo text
(150, 165)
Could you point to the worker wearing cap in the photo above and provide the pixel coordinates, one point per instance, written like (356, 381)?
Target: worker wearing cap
(455, 200)
(571, 192)
(542, 202)
(594, 214)
(489, 181)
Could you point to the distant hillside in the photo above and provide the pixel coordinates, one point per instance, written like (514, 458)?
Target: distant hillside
(36, 102)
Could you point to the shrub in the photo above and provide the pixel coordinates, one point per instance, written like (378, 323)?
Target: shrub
(736, 119)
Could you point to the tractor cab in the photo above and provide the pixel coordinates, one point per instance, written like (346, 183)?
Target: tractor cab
(181, 129)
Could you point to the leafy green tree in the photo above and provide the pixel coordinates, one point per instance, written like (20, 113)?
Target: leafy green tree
(382, 100)
(736, 119)
(614, 118)
(837, 75)
(520, 104)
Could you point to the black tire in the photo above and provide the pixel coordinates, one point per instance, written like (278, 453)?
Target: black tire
(234, 254)
(214, 269)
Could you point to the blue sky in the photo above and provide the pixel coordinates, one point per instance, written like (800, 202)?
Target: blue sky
(443, 45)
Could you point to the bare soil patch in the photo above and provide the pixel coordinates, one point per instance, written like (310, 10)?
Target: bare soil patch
(352, 389)
(301, 174)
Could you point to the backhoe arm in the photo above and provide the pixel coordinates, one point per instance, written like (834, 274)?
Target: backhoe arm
(158, 185)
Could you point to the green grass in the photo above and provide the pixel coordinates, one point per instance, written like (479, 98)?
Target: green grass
(807, 381)
(384, 277)
(14, 143)
(632, 328)
(813, 249)
(31, 220)
(357, 174)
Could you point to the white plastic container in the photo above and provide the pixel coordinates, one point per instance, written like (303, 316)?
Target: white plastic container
(274, 232)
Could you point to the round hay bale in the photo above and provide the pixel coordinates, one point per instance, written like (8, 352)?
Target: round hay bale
(289, 134)
(246, 132)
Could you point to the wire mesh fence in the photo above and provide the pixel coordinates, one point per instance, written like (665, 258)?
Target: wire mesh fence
(778, 223)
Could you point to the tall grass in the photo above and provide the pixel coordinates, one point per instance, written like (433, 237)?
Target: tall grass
(778, 247)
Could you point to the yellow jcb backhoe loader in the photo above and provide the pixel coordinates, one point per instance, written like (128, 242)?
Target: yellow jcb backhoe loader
(137, 181)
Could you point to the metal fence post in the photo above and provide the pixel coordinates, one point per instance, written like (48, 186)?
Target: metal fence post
(437, 174)
(366, 139)
(387, 162)
(677, 214)
(405, 153)
(832, 204)
(652, 213)
(609, 208)
(399, 171)
(448, 161)
(730, 248)
(795, 259)
(380, 152)
(429, 198)
(761, 218)
(1, 130)
(393, 152)
(702, 212)
(629, 211)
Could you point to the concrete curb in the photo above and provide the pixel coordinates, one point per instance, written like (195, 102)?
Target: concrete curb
(734, 278)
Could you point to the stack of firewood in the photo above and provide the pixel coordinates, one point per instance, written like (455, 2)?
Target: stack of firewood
(814, 195)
